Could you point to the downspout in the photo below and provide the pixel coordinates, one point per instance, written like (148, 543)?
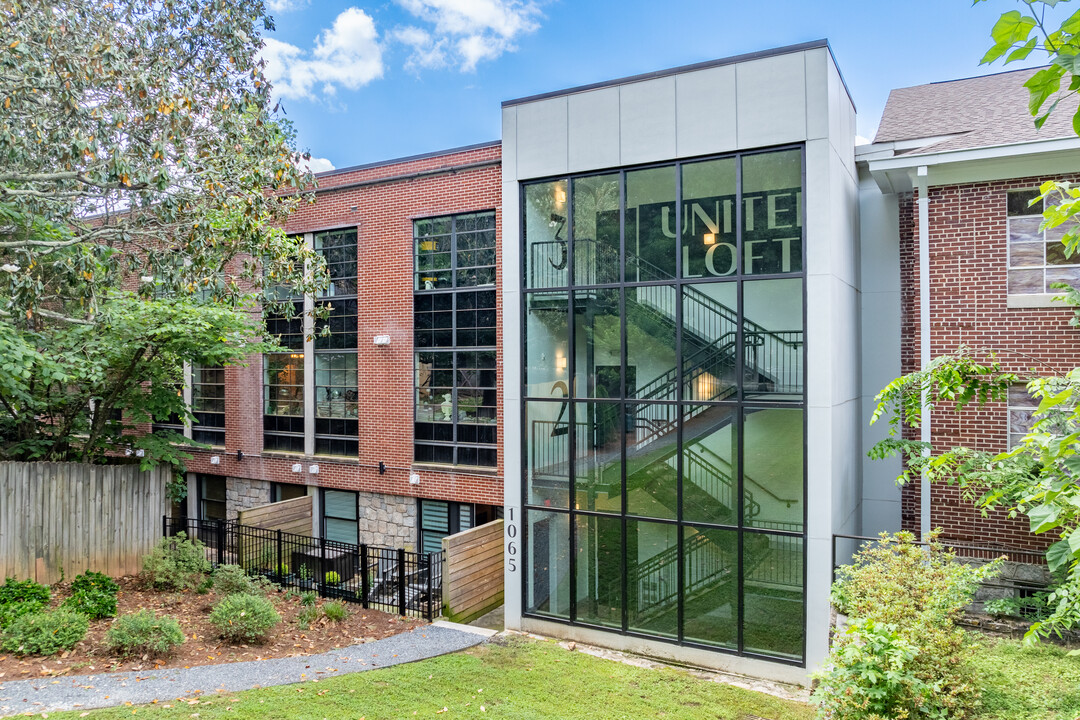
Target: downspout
(924, 334)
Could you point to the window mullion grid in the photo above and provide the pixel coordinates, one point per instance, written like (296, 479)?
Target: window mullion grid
(571, 408)
(679, 380)
(188, 394)
(739, 384)
(309, 361)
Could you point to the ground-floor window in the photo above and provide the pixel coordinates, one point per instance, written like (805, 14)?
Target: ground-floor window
(340, 513)
(286, 491)
(211, 497)
(439, 519)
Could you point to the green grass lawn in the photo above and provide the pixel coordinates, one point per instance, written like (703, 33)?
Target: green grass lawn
(1040, 683)
(528, 679)
(518, 678)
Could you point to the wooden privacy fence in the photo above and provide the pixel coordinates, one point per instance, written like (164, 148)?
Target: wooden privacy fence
(473, 574)
(60, 519)
(291, 516)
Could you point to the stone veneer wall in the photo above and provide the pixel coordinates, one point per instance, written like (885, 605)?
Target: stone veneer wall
(388, 520)
(244, 493)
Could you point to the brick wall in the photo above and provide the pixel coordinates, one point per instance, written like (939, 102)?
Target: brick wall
(968, 306)
(381, 202)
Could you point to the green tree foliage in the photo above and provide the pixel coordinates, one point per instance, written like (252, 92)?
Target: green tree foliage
(143, 180)
(1043, 28)
(1037, 479)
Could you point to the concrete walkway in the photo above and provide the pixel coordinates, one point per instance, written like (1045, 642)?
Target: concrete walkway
(81, 692)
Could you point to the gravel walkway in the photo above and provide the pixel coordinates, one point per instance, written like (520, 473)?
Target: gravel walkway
(107, 690)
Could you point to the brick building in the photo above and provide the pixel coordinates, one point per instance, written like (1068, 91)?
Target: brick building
(647, 326)
(945, 191)
(338, 417)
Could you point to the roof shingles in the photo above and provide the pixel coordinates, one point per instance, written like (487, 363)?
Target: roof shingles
(971, 113)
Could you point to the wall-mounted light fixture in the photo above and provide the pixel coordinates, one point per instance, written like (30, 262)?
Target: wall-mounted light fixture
(215, 460)
(313, 469)
(297, 467)
(382, 340)
(560, 196)
(710, 238)
(414, 478)
(240, 455)
(560, 362)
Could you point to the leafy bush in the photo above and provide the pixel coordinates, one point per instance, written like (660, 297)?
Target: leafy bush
(335, 611)
(143, 633)
(19, 598)
(231, 580)
(869, 675)
(905, 656)
(244, 618)
(93, 594)
(308, 597)
(332, 578)
(177, 563)
(45, 633)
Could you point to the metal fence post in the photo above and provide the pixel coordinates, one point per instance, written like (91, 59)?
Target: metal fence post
(430, 589)
(364, 575)
(221, 542)
(401, 580)
(319, 581)
(164, 526)
(279, 568)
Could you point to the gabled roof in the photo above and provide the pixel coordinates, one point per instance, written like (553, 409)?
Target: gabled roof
(970, 113)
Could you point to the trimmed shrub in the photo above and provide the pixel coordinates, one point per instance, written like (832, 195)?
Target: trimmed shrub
(244, 618)
(19, 597)
(335, 611)
(177, 563)
(93, 594)
(143, 633)
(45, 633)
(904, 655)
(231, 580)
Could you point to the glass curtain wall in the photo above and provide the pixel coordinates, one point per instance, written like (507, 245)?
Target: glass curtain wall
(664, 412)
(454, 313)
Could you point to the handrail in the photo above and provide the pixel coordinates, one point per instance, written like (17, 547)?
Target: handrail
(755, 483)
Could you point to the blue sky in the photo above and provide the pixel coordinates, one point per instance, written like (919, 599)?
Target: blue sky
(370, 81)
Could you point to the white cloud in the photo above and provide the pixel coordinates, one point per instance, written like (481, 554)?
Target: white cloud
(427, 52)
(347, 54)
(316, 165)
(860, 140)
(465, 32)
(284, 6)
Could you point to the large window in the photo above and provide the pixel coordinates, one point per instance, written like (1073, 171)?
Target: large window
(310, 393)
(208, 405)
(1037, 258)
(204, 393)
(664, 408)
(455, 336)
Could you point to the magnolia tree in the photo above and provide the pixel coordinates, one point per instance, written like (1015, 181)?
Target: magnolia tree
(143, 181)
(1038, 478)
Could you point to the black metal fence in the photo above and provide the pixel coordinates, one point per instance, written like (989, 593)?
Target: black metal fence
(389, 579)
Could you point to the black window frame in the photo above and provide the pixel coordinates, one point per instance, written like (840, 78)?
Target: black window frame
(680, 279)
(472, 329)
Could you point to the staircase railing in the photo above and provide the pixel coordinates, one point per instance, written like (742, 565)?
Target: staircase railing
(655, 582)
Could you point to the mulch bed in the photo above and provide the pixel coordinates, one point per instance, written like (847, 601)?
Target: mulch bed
(202, 646)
